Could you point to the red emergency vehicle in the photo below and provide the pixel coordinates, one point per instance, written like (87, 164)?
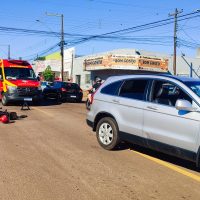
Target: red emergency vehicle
(18, 82)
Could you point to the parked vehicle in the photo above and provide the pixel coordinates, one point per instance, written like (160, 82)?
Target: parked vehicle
(64, 91)
(161, 112)
(18, 82)
(45, 84)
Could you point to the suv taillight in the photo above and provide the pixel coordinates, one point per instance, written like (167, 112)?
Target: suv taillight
(92, 95)
(63, 90)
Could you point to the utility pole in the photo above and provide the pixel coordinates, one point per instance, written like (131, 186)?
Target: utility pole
(175, 14)
(72, 67)
(62, 47)
(8, 52)
(62, 42)
(190, 66)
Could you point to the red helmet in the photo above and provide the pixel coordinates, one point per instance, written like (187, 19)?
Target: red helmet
(4, 119)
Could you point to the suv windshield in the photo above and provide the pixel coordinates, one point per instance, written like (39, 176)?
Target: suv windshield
(16, 73)
(194, 86)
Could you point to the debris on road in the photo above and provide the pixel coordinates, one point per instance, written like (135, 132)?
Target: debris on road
(6, 117)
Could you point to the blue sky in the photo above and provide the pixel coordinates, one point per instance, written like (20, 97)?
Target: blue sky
(94, 17)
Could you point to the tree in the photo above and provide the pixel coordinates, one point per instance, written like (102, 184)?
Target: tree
(48, 74)
(40, 58)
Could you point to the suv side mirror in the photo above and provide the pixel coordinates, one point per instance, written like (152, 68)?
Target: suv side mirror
(184, 105)
(38, 78)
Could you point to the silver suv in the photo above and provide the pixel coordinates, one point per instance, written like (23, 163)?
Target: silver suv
(161, 112)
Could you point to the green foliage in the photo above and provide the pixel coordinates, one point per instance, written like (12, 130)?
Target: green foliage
(48, 74)
(40, 58)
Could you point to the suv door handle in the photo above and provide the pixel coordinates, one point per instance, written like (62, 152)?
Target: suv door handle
(152, 108)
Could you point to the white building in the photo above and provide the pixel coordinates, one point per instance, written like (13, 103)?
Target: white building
(54, 61)
(85, 75)
(83, 70)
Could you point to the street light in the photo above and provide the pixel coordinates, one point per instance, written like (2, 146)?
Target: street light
(61, 41)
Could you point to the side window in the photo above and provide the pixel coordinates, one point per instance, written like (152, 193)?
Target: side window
(134, 89)
(167, 93)
(112, 89)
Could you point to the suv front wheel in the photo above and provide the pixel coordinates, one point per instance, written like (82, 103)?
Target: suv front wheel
(107, 133)
(4, 100)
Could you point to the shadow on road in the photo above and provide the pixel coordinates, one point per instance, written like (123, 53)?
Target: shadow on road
(164, 157)
(47, 102)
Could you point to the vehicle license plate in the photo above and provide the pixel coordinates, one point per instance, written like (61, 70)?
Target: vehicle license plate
(73, 96)
(27, 99)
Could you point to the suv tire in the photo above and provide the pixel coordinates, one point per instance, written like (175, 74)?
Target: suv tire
(107, 133)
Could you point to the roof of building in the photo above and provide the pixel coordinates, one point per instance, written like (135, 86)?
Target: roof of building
(167, 75)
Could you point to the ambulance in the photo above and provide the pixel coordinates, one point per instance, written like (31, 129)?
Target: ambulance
(18, 82)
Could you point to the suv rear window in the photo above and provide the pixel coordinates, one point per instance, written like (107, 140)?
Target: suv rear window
(112, 89)
(66, 85)
(57, 84)
(134, 89)
(72, 86)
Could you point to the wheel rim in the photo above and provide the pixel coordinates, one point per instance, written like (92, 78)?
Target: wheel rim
(106, 133)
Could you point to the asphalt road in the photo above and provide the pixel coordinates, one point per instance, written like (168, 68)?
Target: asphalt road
(53, 155)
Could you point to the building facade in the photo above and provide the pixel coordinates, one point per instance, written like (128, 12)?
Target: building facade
(54, 61)
(84, 69)
(126, 61)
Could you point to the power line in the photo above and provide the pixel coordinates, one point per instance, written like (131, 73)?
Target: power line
(75, 39)
(42, 53)
(57, 34)
(141, 27)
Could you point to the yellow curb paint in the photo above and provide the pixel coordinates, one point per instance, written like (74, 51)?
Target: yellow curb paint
(170, 166)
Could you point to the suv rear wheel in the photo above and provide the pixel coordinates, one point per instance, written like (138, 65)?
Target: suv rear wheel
(107, 133)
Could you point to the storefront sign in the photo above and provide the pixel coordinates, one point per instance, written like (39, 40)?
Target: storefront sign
(153, 64)
(111, 62)
(126, 62)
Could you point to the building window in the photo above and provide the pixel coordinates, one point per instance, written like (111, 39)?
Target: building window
(87, 79)
(78, 79)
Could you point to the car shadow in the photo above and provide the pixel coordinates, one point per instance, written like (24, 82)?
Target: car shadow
(48, 102)
(159, 155)
(122, 146)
